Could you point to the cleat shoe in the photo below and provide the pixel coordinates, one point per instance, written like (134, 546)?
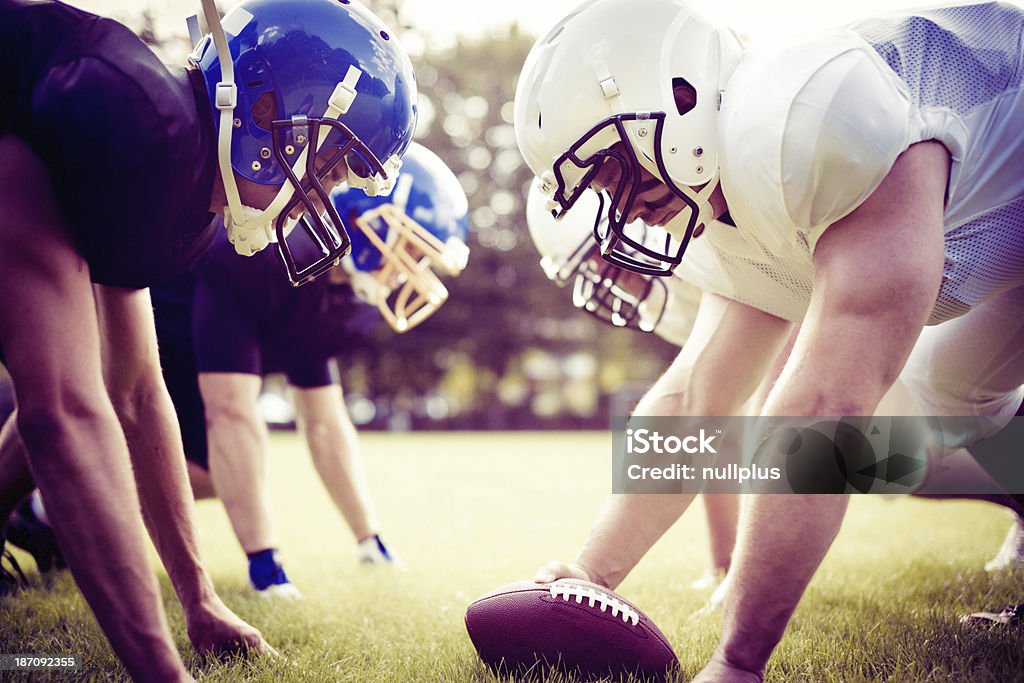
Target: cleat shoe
(26, 531)
(1011, 554)
(1011, 616)
(267, 577)
(279, 591)
(372, 551)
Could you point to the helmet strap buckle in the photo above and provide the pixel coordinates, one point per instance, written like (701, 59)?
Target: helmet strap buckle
(227, 95)
(345, 92)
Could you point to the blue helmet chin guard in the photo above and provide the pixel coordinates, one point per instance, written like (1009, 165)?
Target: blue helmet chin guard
(399, 241)
(315, 90)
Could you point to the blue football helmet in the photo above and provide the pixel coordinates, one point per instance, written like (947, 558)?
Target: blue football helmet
(399, 241)
(311, 84)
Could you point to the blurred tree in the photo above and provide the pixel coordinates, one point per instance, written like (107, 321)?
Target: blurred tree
(502, 306)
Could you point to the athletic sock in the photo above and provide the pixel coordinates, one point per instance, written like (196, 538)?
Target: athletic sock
(265, 569)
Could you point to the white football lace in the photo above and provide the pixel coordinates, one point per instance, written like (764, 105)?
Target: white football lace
(618, 608)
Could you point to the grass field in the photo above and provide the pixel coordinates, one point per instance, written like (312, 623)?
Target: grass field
(468, 512)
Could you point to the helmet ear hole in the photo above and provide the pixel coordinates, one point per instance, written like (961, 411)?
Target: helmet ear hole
(684, 94)
(264, 110)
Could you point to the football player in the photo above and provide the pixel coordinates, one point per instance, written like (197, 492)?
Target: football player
(243, 321)
(616, 296)
(668, 307)
(110, 167)
(872, 179)
(240, 320)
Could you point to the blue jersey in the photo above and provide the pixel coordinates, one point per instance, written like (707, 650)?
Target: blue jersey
(129, 145)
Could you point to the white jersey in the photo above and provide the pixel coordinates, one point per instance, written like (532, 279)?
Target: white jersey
(808, 131)
(723, 261)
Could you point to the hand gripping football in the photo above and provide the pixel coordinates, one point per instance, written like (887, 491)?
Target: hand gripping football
(572, 625)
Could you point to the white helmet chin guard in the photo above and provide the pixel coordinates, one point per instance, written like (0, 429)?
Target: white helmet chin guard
(635, 83)
(608, 292)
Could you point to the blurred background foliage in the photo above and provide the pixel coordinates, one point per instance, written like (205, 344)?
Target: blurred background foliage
(508, 350)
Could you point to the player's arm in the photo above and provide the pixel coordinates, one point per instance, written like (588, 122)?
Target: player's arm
(729, 351)
(74, 445)
(877, 273)
(143, 406)
(334, 446)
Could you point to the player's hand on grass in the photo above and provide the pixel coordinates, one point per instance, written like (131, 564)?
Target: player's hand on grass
(216, 630)
(555, 570)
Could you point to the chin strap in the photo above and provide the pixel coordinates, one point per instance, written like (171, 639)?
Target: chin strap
(339, 104)
(226, 98)
(245, 231)
(705, 212)
(548, 185)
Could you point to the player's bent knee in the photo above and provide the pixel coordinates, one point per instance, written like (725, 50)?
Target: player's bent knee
(231, 416)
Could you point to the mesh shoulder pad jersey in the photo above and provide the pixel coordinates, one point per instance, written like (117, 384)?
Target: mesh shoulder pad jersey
(808, 131)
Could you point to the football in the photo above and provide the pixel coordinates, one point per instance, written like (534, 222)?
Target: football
(570, 625)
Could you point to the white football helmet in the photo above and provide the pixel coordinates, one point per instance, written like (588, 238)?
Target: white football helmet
(665, 306)
(644, 73)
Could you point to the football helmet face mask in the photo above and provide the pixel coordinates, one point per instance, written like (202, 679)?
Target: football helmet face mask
(400, 243)
(306, 89)
(628, 89)
(569, 254)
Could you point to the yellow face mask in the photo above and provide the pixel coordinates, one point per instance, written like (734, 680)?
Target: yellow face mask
(406, 288)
